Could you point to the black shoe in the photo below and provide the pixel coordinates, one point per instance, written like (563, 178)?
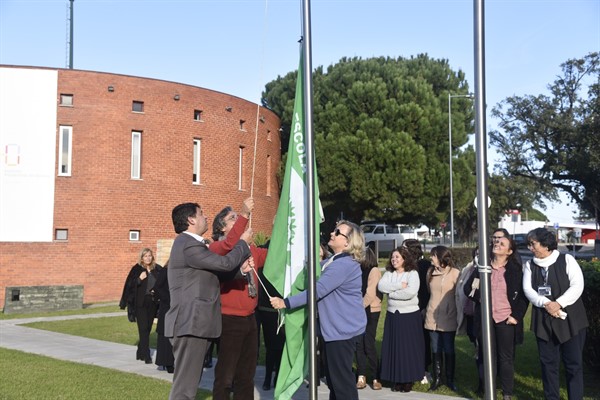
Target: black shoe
(208, 362)
(266, 386)
(148, 360)
(170, 369)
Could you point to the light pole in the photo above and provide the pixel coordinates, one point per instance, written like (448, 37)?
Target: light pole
(450, 97)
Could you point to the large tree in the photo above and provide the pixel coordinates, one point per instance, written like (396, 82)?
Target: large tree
(554, 140)
(381, 137)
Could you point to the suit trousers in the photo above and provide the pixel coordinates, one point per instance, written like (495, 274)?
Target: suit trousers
(571, 353)
(505, 353)
(189, 353)
(236, 362)
(340, 377)
(144, 315)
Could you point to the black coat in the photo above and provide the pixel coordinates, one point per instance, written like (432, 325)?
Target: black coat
(134, 289)
(514, 292)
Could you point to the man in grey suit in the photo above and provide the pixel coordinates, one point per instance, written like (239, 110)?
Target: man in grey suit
(195, 314)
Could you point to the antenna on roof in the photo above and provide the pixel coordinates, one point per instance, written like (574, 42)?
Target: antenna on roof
(70, 41)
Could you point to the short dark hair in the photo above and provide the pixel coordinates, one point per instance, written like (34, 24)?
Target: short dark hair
(410, 262)
(180, 215)
(414, 246)
(219, 222)
(370, 260)
(444, 256)
(504, 232)
(544, 237)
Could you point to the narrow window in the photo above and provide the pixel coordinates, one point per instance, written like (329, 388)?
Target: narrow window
(138, 106)
(268, 175)
(197, 115)
(66, 99)
(136, 154)
(61, 234)
(269, 135)
(242, 122)
(65, 141)
(196, 174)
(134, 236)
(241, 169)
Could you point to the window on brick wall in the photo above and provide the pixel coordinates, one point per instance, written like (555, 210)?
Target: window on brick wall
(241, 169)
(66, 99)
(269, 135)
(196, 171)
(136, 154)
(242, 122)
(65, 141)
(61, 234)
(134, 235)
(137, 106)
(197, 115)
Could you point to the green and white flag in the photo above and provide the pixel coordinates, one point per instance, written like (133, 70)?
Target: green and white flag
(285, 266)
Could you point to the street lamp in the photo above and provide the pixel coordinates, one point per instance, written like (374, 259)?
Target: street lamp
(450, 97)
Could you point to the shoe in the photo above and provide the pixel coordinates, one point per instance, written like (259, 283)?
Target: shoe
(376, 384)
(407, 387)
(426, 378)
(170, 369)
(208, 362)
(398, 387)
(266, 386)
(436, 382)
(362, 382)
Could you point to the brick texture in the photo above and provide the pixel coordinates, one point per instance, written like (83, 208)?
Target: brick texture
(99, 203)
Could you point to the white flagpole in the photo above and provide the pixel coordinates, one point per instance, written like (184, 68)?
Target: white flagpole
(309, 198)
(484, 268)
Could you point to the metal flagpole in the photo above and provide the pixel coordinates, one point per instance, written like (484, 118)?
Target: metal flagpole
(309, 198)
(484, 268)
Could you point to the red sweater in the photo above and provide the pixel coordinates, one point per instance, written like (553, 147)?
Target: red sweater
(234, 293)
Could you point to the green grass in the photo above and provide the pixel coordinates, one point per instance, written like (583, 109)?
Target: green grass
(528, 383)
(29, 376)
(87, 309)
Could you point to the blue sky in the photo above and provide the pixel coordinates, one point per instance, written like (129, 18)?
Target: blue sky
(237, 46)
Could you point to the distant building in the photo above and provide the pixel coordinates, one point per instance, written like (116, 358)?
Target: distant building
(93, 163)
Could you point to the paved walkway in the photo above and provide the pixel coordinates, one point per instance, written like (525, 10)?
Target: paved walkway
(122, 357)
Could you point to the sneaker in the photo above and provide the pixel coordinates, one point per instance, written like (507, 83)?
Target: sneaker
(376, 384)
(426, 378)
(362, 382)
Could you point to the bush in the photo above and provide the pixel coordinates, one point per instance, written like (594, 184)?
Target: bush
(591, 301)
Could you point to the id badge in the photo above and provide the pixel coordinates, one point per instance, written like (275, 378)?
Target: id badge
(544, 290)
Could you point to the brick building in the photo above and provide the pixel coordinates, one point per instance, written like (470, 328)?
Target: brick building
(93, 164)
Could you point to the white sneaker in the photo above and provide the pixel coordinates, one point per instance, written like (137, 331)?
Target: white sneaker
(426, 378)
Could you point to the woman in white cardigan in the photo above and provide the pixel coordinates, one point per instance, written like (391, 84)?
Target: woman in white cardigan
(402, 350)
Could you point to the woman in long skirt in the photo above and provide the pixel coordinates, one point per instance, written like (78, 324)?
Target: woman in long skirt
(402, 352)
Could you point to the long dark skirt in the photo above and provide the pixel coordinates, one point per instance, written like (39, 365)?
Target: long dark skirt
(402, 350)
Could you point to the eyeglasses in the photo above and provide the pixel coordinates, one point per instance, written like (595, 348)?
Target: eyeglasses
(338, 233)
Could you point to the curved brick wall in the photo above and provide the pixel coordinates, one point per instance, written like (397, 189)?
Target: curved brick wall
(99, 203)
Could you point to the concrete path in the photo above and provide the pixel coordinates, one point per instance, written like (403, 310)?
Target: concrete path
(122, 357)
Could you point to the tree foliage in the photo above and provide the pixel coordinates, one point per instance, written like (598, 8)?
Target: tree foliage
(553, 141)
(381, 137)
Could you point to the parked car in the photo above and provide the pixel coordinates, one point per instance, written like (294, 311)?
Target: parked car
(387, 236)
(520, 240)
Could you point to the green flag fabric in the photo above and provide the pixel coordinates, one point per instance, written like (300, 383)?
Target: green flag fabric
(285, 266)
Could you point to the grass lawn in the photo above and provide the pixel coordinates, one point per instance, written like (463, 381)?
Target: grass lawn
(29, 376)
(528, 383)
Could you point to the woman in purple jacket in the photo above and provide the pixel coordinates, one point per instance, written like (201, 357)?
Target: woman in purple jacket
(341, 313)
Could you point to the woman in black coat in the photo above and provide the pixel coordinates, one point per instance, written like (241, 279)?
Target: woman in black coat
(509, 306)
(137, 297)
(164, 349)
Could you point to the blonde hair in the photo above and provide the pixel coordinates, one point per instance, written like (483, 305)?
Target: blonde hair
(356, 240)
(143, 252)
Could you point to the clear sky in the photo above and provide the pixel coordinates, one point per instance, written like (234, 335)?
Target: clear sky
(237, 46)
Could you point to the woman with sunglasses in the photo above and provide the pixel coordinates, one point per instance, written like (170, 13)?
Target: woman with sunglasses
(553, 283)
(342, 317)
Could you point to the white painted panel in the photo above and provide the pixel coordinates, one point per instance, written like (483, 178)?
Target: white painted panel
(28, 148)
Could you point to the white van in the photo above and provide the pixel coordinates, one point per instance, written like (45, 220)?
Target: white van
(388, 236)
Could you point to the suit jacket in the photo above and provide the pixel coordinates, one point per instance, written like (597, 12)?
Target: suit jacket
(194, 286)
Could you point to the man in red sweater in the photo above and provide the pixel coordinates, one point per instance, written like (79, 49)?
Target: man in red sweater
(238, 346)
